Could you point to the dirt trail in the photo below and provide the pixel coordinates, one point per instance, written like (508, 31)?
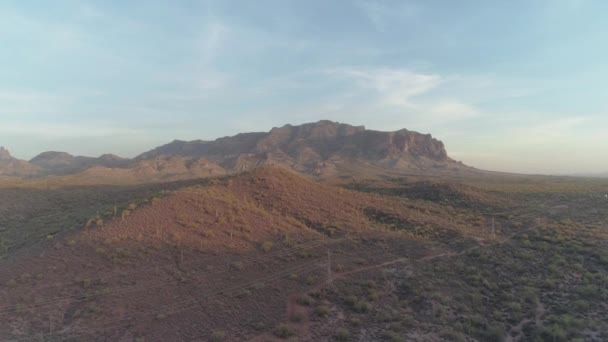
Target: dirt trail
(303, 327)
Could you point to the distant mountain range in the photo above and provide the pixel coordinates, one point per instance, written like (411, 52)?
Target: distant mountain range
(322, 148)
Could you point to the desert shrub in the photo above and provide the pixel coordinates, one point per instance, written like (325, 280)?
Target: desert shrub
(549, 283)
(493, 333)
(267, 246)
(581, 305)
(297, 317)
(342, 335)
(355, 321)
(395, 326)
(217, 336)
(306, 300)
(451, 335)
(529, 294)
(589, 292)
(392, 336)
(284, 331)
(362, 307)
(373, 295)
(553, 333)
(310, 280)
(351, 300)
(125, 214)
(322, 311)
(238, 265)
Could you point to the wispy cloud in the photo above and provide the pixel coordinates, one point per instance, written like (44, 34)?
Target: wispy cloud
(394, 87)
(403, 96)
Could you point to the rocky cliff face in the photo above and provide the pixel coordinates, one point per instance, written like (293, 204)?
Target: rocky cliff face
(313, 147)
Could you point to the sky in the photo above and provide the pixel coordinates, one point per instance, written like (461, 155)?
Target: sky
(515, 86)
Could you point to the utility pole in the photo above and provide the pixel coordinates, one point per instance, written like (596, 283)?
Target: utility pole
(329, 278)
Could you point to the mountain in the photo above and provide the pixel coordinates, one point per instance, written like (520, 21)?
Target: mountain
(58, 163)
(13, 167)
(321, 148)
(4, 154)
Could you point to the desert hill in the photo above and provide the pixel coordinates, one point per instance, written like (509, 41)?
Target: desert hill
(270, 254)
(108, 280)
(59, 163)
(55, 163)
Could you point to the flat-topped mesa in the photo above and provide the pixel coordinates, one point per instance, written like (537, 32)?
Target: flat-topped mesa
(318, 135)
(4, 154)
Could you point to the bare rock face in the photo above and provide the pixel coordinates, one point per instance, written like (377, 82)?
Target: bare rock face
(4, 154)
(314, 147)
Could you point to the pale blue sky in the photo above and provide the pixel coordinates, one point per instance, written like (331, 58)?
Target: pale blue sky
(507, 85)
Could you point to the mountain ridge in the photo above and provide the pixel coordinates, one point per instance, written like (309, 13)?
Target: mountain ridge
(322, 148)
